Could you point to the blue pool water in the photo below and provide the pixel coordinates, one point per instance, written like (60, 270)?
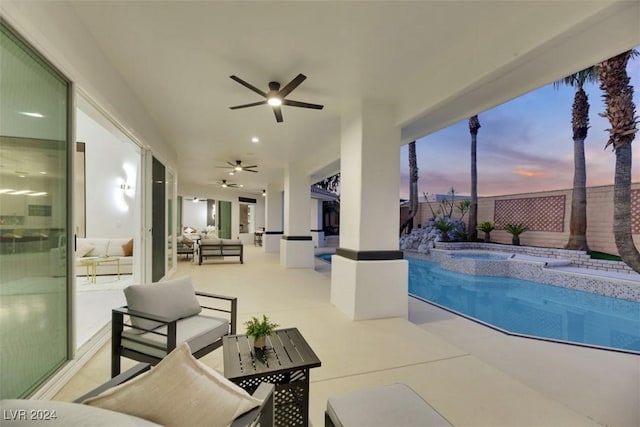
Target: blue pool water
(531, 309)
(325, 257)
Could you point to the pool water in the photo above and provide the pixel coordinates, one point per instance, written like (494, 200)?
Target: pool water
(531, 309)
(325, 257)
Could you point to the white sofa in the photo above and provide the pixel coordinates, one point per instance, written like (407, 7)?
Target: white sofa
(103, 247)
(91, 248)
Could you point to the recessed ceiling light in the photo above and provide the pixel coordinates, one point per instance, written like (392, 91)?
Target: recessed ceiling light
(232, 173)
(36, 115)
(43, 173)
(241, 185)
(255, 140)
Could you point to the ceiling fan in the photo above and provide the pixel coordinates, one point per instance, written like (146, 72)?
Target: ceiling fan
(276, 97)
(225, 184)
(239, 167)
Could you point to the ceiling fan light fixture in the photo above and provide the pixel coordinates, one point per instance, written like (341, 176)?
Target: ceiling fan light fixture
(274, 101)
(224, 185)
(237, 168)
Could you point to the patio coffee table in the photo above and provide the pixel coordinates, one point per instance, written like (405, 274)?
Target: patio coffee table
(92, 263)
(285, 363)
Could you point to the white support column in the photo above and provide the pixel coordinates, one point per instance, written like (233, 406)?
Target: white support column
(369, 278)
(296, 246)
(274, 228)
(315, 222)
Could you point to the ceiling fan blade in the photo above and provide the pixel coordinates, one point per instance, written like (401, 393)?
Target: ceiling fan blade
(302, 104)
(292, 85)
(248, 85)
(278, 112)
(247, 167)
(249, 170)
(233, 165)
(253, 104)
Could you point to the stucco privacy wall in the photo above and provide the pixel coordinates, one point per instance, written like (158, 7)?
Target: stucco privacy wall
(599, 218)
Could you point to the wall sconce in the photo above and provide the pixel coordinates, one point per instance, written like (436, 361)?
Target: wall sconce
(264, 193)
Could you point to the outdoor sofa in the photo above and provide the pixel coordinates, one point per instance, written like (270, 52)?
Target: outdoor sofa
(220, 248)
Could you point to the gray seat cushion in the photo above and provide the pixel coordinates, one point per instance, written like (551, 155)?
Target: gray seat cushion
(388, 405)
(197, 331)
(174, 299)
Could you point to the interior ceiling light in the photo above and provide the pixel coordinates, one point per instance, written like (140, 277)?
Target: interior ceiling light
(15, 193)
(36, 115)
(41, 193)
(195, 200)
(6, 190)
(264, 193)
(224, 185)
(255, 140)
(232, 173)
(43, 173)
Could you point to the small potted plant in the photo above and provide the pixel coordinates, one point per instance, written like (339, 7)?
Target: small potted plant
(487, 227)
(259, 330)
(515, 230)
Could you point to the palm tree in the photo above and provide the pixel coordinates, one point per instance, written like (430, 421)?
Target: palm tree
(413, 188)
(580, 124)
(618, 96)
(474, 125)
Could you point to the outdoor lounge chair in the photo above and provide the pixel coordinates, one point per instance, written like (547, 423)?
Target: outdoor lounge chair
(160, 316)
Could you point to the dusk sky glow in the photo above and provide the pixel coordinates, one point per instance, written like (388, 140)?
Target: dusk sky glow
(524, 145)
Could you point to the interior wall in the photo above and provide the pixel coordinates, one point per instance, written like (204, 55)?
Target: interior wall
(111, 211)
(194, 215)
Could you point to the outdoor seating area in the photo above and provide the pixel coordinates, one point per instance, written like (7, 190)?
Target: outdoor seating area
(468, 373)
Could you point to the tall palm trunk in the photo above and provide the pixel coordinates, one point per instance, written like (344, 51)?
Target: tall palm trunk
(578, 219)
(580, 126)
(413, 188)
(474, 125)
(618, 95)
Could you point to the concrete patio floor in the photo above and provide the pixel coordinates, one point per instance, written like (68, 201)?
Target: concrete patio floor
(473, 375)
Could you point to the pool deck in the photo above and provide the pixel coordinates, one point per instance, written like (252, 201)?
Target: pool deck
(473, 375)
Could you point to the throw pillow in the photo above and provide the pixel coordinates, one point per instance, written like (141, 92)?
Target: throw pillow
(128, 248)
(83, 248)
(174, 299)
(187, 241)
(179, 391)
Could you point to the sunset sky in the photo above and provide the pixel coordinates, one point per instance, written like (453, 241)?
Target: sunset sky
(523, 145)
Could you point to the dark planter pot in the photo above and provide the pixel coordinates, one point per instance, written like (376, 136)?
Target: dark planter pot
(487, 237)
(515, 240)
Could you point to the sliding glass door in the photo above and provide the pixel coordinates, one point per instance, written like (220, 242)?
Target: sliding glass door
(34, 218)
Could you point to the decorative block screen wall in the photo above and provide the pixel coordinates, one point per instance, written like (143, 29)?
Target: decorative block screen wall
(635, 211)
(537, 213)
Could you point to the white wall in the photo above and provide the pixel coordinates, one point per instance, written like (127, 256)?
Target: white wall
(110, 163)
(194, 215)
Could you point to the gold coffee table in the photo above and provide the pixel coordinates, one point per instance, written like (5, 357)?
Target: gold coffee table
(92, 263)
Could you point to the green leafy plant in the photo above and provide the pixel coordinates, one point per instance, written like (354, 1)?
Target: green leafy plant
(516, 230)
(444, 227)
(487, 227)
(260, 328)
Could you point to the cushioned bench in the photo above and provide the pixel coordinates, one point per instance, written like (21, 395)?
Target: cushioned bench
(388, 405)
(220, 248)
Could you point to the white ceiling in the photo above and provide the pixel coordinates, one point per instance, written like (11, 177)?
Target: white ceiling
(435, 62)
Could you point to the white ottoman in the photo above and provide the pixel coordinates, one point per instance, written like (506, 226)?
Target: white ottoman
(394, 405)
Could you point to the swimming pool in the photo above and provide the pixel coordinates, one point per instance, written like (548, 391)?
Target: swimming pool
(530, 309)
(325, 257)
